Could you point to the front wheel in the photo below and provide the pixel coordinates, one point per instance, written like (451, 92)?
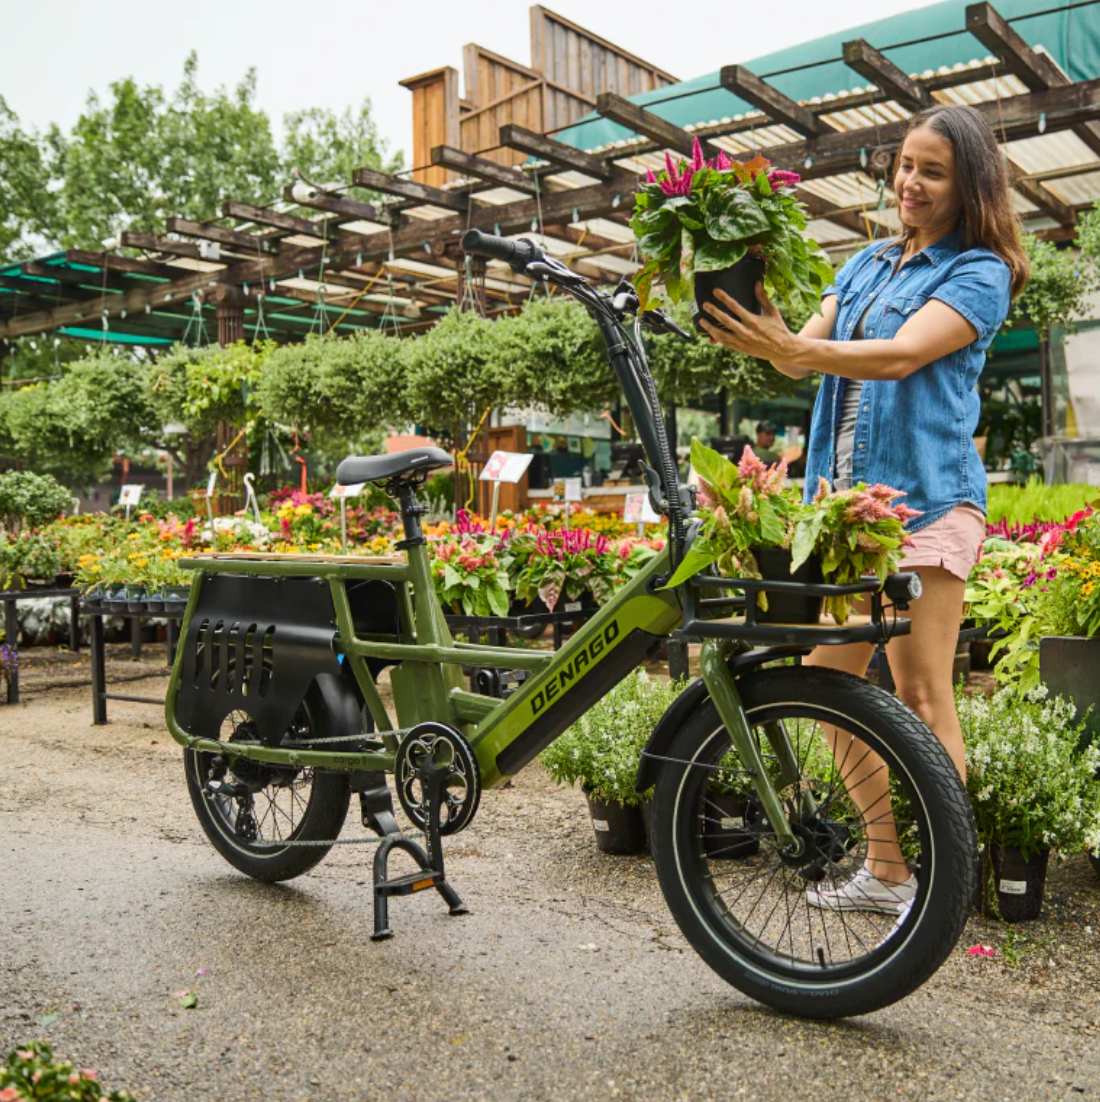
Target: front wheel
(751, 907)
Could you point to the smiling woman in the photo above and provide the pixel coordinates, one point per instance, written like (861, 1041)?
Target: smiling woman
(901, 341)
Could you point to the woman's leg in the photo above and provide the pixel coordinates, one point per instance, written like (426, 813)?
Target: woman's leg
(863, 772)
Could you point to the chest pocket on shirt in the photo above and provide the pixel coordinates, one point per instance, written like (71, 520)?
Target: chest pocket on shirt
(897, 312)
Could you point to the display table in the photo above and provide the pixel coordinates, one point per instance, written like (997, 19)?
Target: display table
(600, 499)
(10, 598)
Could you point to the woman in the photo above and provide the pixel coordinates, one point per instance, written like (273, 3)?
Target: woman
(901, 341)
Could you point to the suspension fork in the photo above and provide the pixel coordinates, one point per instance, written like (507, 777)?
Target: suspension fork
(714, 666)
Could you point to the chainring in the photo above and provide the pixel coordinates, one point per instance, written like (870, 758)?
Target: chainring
(462, 787)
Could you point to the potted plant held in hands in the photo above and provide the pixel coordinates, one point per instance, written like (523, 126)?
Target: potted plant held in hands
(727, 224)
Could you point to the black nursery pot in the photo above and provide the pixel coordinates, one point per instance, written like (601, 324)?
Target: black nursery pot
(786, 607)
(724, 827)
(1018, 884)
(739, 282)
(618, 828)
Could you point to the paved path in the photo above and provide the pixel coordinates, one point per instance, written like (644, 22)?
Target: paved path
(567, 981)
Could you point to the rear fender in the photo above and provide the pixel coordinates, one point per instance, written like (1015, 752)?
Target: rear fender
(670, 723)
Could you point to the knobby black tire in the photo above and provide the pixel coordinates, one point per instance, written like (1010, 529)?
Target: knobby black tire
(322, 820)
(928, 936)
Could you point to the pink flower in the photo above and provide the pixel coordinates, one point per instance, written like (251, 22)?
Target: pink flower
(884, 493)
(651, 177)
(823, 490)
(9, 1094)
(706, 496)
(779, 177)
(981, 951)
(750, 465)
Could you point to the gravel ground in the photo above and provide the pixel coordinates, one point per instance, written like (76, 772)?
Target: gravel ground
(568, 980)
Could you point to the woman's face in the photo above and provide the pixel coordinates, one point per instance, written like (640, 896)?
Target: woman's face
(925, 183)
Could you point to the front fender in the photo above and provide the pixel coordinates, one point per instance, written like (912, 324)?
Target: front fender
(670, 723)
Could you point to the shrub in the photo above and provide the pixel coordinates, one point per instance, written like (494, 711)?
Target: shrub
(603, 749)
(31, 500)
(32, 1073)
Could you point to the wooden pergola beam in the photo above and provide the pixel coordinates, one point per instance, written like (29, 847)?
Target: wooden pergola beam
(895, 84)
(285, 223)
(817, 207)
(470, 164)
(342, 206)
(126, 264)
(69, 277)
(234, 239)
(158, 243)
(557, 153)
(1017, 116)
(1042, 197)
(778, 107)
(666, 134)
(410, 189)
(1034, 70)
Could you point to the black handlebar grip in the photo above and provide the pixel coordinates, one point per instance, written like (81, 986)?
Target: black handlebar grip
(516, 254)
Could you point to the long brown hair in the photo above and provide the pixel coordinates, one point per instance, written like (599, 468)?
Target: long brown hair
(988, 218)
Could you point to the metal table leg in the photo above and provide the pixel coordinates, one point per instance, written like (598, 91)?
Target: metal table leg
(677, 659)
(11, 637)
(99, 671)
(170, 639)
(74, 624)
(135, 636)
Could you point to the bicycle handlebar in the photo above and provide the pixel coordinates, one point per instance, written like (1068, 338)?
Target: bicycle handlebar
(516, 254)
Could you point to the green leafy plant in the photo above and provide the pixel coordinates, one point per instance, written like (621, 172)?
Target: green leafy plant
(603, 749)
(705, 216)
(741, 507)
(1032, 501)
(1057, 289)
(1031, 779)
(30, 500)
(563, 563)
(31, 1074)
(470, 577)
(856, 532)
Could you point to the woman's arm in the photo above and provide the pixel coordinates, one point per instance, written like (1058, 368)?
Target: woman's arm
(818, 328)
(934, 331)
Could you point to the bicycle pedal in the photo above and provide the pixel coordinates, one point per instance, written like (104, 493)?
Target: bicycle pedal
(224, 788)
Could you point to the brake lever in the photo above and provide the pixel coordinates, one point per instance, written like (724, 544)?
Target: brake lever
(659, 322)
(556, 271)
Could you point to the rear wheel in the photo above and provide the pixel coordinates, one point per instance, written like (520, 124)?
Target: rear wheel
(257, 816)
(747, 905)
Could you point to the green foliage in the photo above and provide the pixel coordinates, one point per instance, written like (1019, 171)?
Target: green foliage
(454, 373)
(32, 1074)
(30, 500)
(701, 217)
(26, 206)
(554, 357)
(1034, 501)
(1057, 290)
(603, 749)
(1088, 238)
(327, 147)
(1032, 782)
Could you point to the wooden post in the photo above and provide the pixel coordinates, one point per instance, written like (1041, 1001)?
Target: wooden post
(1046, 393)
(230, 312)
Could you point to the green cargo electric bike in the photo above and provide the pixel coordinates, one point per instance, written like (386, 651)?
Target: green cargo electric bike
(274, 696)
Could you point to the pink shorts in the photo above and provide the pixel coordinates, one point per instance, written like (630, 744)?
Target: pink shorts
(951, 542)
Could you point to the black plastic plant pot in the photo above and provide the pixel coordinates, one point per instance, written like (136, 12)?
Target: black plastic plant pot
(787, 607)
(724, 827)
(1016, 883)
(618, 828)
(154, 601)
(135, 598)
(739, 282)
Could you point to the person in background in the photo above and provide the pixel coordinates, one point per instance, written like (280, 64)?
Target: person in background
(765, 442)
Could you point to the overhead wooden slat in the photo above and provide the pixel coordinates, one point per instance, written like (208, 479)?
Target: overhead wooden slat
(158, 243)
(410, 189)
(822, 208)
(243, 242)
(71, 277)
(1037, 72)
(344, 207)
(263, 216)
(666, 134)
(778, 107)
(470, 164)
(1042, 197)
(115, 263)
(897, 85)
(557, 153)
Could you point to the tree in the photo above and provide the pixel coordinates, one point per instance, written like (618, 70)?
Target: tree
(26, 203)
(143, 155)
(1056, 291)
(327, 147)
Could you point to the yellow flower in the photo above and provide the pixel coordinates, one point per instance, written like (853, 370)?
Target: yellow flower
(314, 546)
(134, 536)
(303, 510)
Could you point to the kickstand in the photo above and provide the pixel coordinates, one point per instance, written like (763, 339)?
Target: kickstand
(431, 874)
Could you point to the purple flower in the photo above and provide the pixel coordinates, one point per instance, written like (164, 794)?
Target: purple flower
(780, 177)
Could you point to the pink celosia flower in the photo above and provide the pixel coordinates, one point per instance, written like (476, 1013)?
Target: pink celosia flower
(706, 496)
(884, 493)
(779, 177)
(823, 490)
(981, 951)
(750, 465)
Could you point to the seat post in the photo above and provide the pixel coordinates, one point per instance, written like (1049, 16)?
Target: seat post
(411, 512)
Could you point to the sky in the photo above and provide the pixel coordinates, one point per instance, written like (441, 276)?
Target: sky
(335, 53)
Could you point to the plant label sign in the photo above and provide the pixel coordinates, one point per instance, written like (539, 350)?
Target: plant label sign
(212, 484)
(568, 489)
(130, 494)
(505, 467)
(638, 510)
(353, 489)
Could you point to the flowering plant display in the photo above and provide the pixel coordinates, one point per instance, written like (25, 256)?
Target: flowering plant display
(856, 532)
(9, 662)
(706, 215)
(565, 562)
(29, 555)
(1031, 778)
(470, 575)
(603, 749)
(741, 507)
(31, 1074)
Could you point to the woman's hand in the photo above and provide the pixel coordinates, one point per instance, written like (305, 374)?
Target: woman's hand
(764, 335)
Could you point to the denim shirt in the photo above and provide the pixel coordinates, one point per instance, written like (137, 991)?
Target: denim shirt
(915, 434)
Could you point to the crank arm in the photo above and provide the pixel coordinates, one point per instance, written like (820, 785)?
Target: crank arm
(723, 691)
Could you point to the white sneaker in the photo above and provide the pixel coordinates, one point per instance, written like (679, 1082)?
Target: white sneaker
(865, 892)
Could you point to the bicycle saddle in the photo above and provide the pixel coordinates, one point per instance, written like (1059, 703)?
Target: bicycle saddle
(382, 468)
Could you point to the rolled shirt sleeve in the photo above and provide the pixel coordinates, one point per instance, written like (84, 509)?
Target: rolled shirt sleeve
(979, 289)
